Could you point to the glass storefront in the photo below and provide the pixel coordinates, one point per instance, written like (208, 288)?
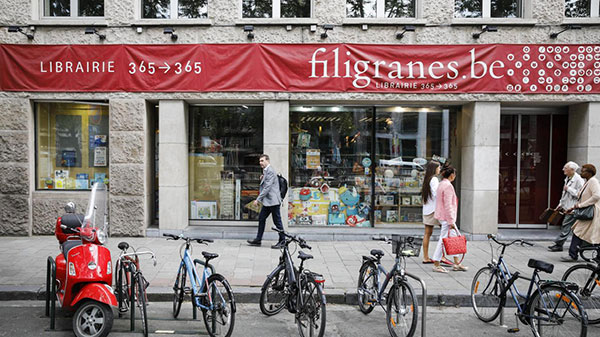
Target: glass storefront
(225, 143)
(71, 145)
(359, 166)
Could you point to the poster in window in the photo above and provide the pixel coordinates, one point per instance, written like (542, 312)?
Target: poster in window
(206, 210)
(81, 181)
(313, 158)
(60, 178)
(303, 139)
(100, 156)
(68, 140)
(98, 134)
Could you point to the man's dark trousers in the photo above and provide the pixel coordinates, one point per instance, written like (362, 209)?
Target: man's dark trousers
(262, 219)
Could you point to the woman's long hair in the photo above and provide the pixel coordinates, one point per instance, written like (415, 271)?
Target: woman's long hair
(447, 171)
(430, 169)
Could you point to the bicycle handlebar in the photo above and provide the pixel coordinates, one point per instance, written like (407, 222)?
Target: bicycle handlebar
(522, 242)
(294, 238)
(180, 236)
(153, 257)
(594, 248)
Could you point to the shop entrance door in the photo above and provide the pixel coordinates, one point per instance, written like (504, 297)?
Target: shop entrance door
(533, 150)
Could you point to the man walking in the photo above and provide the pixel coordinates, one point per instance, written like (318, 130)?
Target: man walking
(573, 183)
(270, 197)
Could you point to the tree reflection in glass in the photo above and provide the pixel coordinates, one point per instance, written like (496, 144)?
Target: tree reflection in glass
(506, 8)
(577, 8)
(193, 9)
(257, 8)
(295, 8)
(57, 8)
(91, 7)
(156, 9)
(399, 8)
(467, 8)
(361, 8)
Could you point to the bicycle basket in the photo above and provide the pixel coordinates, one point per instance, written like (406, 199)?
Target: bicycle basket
(406, 245)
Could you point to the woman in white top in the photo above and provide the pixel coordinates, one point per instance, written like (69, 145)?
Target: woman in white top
(428, 195)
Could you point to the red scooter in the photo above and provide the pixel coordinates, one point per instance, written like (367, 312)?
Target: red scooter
(81, 277)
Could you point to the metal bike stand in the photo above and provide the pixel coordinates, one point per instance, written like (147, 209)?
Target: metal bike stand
(51, 291)
(424, 294)
(132, 305)
(502, 318)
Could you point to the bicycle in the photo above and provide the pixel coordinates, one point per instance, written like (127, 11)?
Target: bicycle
(211, 293)
(550, 308)
(402, 308)
(131, 284)
(587, 277)
(297, 289)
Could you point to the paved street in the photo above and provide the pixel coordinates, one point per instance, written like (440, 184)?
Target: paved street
(26, 318)
(23, 263)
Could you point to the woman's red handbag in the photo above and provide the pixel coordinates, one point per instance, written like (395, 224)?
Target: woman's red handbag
(455, 245)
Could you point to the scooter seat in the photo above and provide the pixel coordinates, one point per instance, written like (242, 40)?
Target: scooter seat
(66, 246)
(71, 221)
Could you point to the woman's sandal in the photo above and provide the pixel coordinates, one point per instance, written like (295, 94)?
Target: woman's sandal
(440, 269)
(460, 267)
(428, 262)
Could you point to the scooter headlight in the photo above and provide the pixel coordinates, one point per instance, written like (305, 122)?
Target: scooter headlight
(102, 237)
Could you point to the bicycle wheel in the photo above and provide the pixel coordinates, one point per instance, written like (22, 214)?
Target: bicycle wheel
(587, 277)
(402, 310)
(272, 295)
(311, 314)
(220, 319)
(367, 287)
(485, 294)
(140, 298)
(555, 311)
(178, 291)
(120, 290)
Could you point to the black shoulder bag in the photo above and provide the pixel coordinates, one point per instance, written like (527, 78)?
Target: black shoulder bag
(585, 213)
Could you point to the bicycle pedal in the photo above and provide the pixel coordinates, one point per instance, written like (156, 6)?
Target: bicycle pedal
(123, 310)
(513, 330)
(187, 290)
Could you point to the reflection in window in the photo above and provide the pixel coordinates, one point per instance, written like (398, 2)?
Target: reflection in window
(400, 8)
(361, 8)
(225, 143)
(467, 9)
(71, 145)
(156, 9)
(577, 8)
(91, 7)
(295, 8)
(57, 8)
(257, 8)
(330, 163)
(506, 8)
(193, 9)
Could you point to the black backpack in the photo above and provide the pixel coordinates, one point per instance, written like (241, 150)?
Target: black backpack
(283, 186)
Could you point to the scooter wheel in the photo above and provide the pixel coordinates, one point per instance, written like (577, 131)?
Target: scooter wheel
(93, 319)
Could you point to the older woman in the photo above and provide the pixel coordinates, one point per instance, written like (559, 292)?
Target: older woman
(586, 232)
(568, 199)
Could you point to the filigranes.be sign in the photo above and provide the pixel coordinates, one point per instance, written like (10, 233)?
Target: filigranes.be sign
(499, 68)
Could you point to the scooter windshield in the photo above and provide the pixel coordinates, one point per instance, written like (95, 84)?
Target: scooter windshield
(97, 211)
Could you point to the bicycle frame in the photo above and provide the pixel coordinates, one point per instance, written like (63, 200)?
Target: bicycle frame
(396, 269)
(513, 289)
(199, 285)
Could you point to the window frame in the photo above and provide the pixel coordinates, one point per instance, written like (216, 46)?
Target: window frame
(382, 20)
(525, 19)
(74, 7)
(276, 14)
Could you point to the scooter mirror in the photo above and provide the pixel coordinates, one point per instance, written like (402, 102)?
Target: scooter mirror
(70, 207)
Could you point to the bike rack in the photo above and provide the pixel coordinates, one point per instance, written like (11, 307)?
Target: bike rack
(424, 295)
(132, 305)
(51, 291)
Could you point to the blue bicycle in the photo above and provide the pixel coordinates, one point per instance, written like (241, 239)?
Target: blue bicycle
(211, 292)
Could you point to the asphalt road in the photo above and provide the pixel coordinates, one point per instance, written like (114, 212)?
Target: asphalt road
(26, 318)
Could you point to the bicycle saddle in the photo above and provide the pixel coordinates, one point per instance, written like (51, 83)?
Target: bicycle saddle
(209, 256)
(123, 245)
(378, 253)
(541, 265)
(303, 256)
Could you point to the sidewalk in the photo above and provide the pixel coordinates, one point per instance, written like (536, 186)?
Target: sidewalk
(23, 266)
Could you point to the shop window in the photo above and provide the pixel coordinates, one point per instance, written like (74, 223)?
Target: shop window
(225, 143)
(276, 9)
(73, 8)
(488, 8)
(71, 145)
(381, 8)
(582, 8)
(182, 9)
(330, 163)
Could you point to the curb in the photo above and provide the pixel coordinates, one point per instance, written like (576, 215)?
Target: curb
(242, 295)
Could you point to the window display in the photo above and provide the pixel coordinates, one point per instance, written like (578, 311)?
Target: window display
(330, 161)
(351, 166)
(71, 145)
(225, 143)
